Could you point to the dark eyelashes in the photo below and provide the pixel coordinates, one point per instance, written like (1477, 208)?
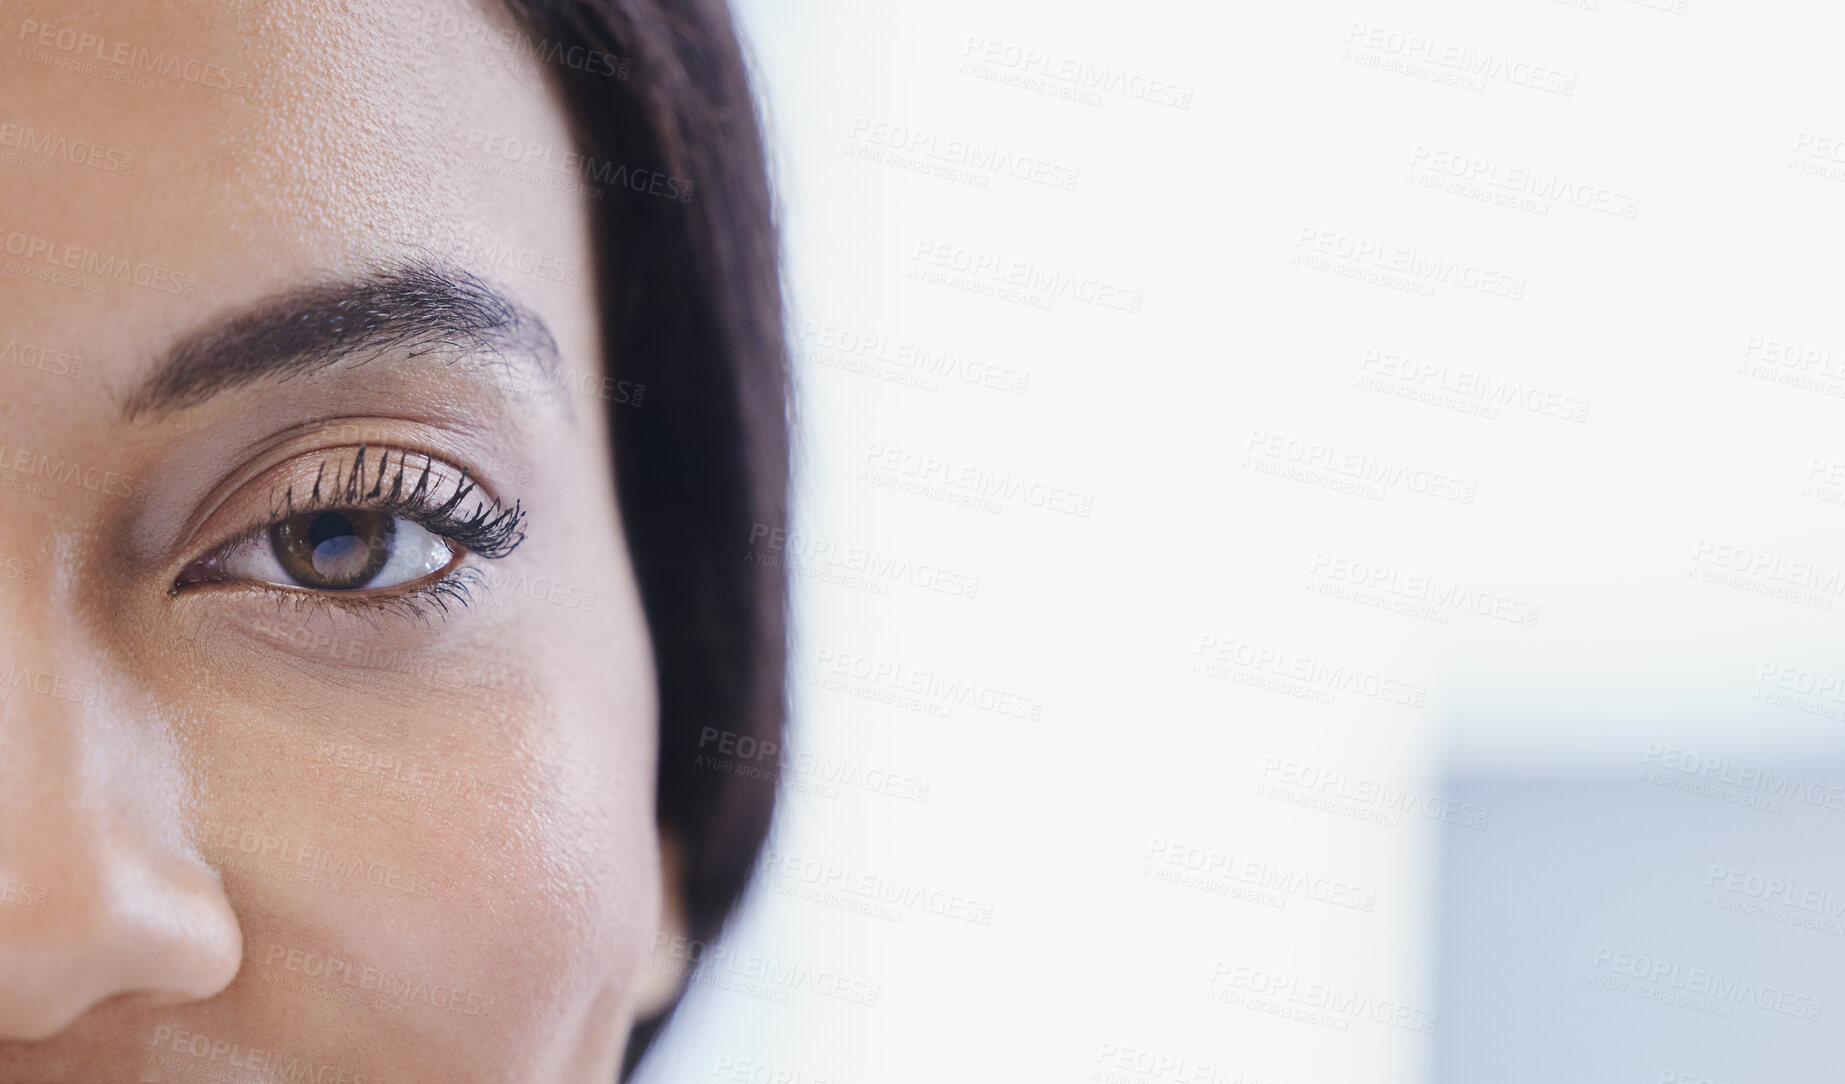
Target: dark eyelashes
(486, 527)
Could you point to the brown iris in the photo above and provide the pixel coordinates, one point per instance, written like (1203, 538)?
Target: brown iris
(333, 551)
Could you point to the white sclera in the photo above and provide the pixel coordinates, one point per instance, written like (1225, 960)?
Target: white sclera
(415, 553)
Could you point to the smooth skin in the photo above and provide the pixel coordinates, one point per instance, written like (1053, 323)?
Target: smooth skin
(244, 831)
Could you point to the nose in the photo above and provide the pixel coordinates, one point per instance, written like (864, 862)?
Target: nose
(102, 893)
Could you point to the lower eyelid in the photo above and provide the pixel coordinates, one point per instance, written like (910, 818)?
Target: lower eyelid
(439, 596)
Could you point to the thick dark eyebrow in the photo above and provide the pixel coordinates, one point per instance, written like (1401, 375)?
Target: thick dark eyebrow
(408, 312)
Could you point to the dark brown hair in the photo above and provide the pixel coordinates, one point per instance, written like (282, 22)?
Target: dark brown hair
(692, 309)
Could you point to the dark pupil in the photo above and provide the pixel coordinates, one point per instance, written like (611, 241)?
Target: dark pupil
(333, 551)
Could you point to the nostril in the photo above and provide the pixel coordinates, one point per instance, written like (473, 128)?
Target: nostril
(158, 941)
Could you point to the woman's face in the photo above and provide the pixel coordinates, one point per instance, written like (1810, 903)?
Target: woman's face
(303, 775)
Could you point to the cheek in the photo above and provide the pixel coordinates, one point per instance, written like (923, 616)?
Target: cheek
(472, 879)
(555, 876)
(578, 867)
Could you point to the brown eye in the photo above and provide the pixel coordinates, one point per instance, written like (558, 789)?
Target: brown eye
(334, 551)
(345, 549)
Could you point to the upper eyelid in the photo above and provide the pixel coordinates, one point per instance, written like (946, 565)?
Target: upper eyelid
(354, 492)
(479, 523)
(425, 483)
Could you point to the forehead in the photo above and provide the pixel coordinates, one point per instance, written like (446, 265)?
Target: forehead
(163, 161)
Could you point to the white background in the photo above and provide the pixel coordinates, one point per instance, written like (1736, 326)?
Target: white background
(1648, 553)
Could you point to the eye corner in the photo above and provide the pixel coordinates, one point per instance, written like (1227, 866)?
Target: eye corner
(202, 571)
